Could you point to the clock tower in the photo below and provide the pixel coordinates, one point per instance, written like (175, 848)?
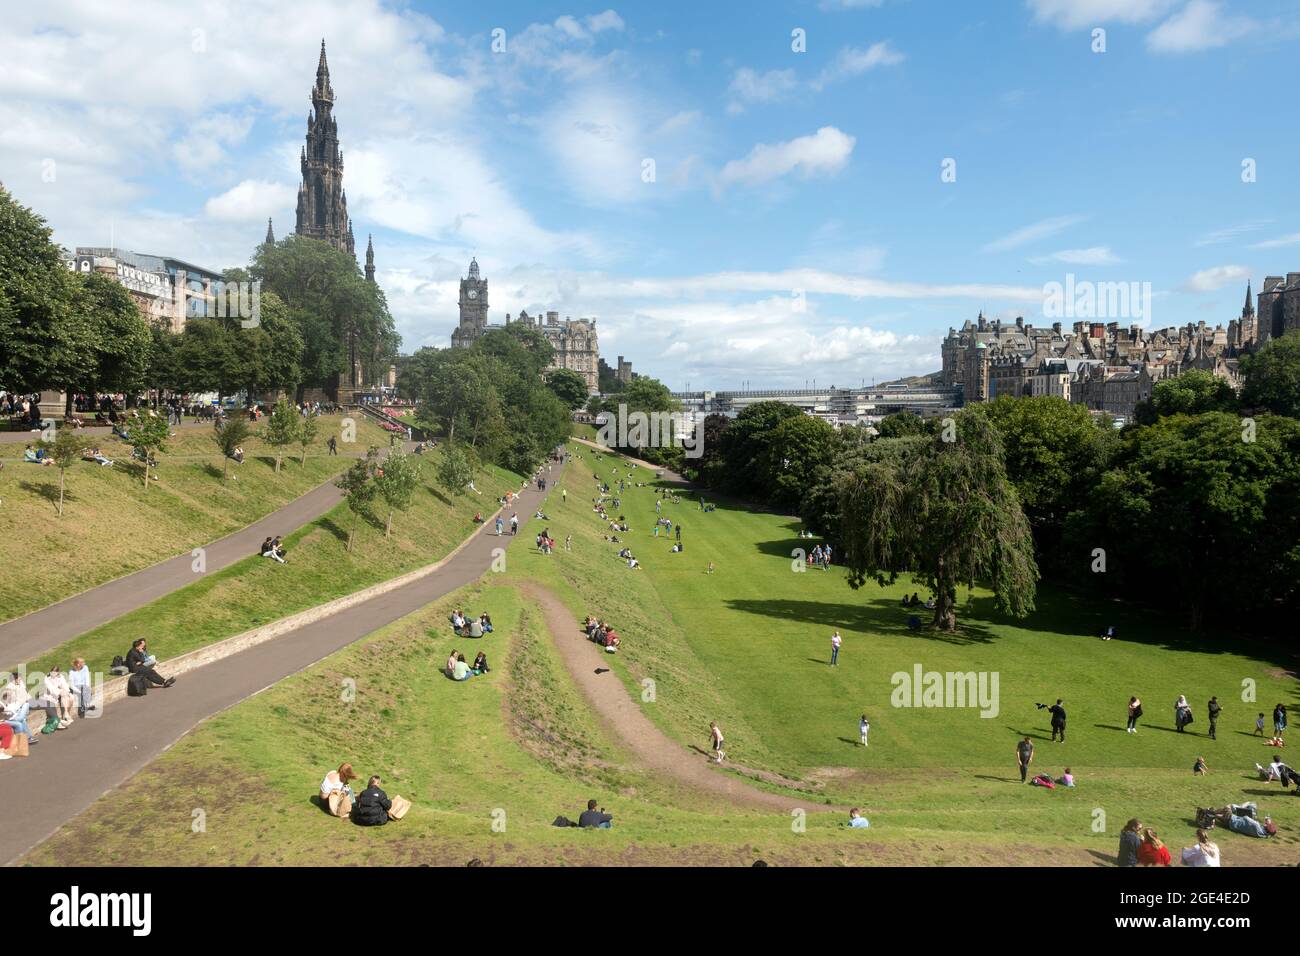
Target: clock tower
(473, 307)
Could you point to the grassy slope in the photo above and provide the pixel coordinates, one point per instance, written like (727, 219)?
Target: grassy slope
(934, 782)
(111, 526)
(255, 591)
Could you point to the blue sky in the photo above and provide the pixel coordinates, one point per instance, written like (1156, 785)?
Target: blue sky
(796, 227)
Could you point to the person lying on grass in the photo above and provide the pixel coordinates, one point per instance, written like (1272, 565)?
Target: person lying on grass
(856, 820)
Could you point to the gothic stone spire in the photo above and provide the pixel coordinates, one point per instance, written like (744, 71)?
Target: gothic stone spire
(322, 204)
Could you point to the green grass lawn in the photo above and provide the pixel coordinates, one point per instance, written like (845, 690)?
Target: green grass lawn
(112, 526)
(257, 591)
(747, 646)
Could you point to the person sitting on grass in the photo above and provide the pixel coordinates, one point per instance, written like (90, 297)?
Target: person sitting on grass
(140, 661)
(478, 517)
(1204, 852)
(451, 664)
(460, 670)
(268, 551)
(93, 454)
(372, 805)
(486, 622)
(457, 620)
(856, 820)
(336, 792)
(1152, 852)
(633, 564)
(591, 817)
(1280, 771)
(1067, 779)
(277, 545)
(1199, 769)
(474, 627)
(35, 457)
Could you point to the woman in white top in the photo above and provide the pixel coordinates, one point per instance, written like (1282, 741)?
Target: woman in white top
(59, 690)
(335, 791)
(1203, 853)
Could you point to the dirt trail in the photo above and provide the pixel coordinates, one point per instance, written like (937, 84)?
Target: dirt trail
(617, 710)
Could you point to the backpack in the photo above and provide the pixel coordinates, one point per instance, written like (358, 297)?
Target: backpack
(563, 822)
(137, 686)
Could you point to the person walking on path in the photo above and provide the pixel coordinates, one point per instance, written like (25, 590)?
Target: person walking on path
(501, 523)
(514, 523)
(864, 726)
(1024, 757)
(1212, 710)
(1134, 712)
(1058, 720)
(715, 736)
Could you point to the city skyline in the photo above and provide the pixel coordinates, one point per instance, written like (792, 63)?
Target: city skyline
(798, 224)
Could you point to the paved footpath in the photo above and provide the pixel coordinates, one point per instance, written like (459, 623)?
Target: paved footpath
(25, 638)
(71, 769)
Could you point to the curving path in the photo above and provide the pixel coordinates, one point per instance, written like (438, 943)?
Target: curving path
(617, 710)
(69, 771)
(27, 637)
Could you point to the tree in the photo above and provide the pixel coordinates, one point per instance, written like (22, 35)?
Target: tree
(232, 433)
(1273, 376)
(358, 486)
(1055, 452)
(1191, 393)
(797, 449)
(44, 341)
(746, 445)
(948, 516)
(149, 435)
(282, 429)
(1194, 508)
(902, 424)
(569, 387)
(120, 339)
(396, 480)
(65, 451)
(455, 470)
(307, 434)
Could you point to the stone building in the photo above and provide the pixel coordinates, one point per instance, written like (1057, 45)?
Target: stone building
(1098, 364)
(1279, 306)
(574, 340)
(322, 200)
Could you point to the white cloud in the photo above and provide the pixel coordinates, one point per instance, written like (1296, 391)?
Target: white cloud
(1289, 240)
(1211, 280)
(1201, 25)
(609, 20)
(250, 201)
(825, 152)
(1229, 233)
(1092, 256)
(208, 141)
(853, 61)
(1078, 14)
(749, 86)
(1032, 233)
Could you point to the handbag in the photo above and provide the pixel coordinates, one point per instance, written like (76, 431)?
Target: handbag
(18, 747)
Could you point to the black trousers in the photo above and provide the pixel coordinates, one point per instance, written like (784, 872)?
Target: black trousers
(1058, 729)
(151, 675)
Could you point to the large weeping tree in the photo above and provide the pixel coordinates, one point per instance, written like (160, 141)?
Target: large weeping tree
(945, 512)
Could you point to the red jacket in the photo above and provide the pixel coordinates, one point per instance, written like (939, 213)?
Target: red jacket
(1149, 855)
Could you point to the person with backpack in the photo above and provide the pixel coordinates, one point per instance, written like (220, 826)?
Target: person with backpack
(1212, 710)
(1134, 712)
(1182, 713)
(140, 664)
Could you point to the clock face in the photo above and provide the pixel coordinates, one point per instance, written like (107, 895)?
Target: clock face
(473, 293)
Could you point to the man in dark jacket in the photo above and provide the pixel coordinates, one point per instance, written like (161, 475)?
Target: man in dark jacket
(135, 663)
(1058, 720)
(591, 817)
(371, 809)
(1213, 710)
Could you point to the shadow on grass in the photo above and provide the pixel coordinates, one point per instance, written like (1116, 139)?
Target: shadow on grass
(49, 491)
(1103, 859)
(332, 526)
(880, 615)
(1020, 734)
